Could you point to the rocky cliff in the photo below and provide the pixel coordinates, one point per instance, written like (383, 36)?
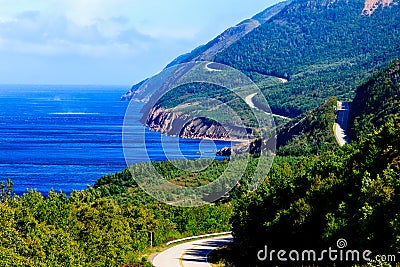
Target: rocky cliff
(372, 5)
(290, 44)
(186, 126)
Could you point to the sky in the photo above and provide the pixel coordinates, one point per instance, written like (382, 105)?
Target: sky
(107, 42)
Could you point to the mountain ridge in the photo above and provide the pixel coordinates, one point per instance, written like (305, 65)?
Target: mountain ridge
(322, 52)
(322, 48)
(207, 52)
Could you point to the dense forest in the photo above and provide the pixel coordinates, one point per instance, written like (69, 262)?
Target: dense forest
(310, 133)
(314, 194)
(89, 229)
(110, 224)
(351, 192)
(376, 101)
(322, 48)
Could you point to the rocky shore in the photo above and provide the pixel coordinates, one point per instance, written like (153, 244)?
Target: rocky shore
(185, 126)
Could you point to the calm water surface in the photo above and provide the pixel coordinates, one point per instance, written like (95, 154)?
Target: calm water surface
(66, 137)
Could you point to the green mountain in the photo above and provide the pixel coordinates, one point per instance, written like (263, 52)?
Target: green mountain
(230, 36)
(310, 133)
(323, 48)
(351, 193)
(376, 101)
(208, 51)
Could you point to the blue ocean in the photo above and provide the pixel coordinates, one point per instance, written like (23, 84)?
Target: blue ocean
(66, 137)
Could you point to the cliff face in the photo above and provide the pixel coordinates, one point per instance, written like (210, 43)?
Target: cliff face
(184, 126)
(372, 5)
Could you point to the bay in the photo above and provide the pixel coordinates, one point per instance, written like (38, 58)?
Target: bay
(66, 137)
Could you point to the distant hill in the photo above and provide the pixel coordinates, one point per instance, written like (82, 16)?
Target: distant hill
(208, 51)
(324, 48)
(302, 52)
(227, 38)
(376, 101)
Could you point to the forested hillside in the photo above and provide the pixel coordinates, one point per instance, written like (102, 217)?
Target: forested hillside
(95, 227)
(324, 48)
(376, 101)
(351, 192)
(310, 133)
(230, 36)
(304, 52)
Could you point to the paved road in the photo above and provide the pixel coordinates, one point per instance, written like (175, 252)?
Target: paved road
(191, 254)
(249, 98)
(207, 66)
(340, 126)
(249, 101)
(283, 80)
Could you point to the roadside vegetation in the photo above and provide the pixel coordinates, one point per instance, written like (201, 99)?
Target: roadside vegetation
(312, 197)
(352, 192)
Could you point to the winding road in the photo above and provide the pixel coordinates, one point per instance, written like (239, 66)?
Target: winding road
(207, 66)
(250, 103)
(249, 100)
(282, 80)
(340, 126)
(191, 254)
